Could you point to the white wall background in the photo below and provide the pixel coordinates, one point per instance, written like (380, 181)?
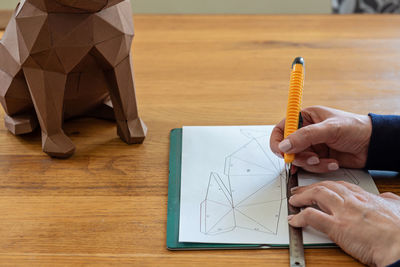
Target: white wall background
(220, 6)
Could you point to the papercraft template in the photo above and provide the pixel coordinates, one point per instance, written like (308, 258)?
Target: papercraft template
(233, 187)
(61, 59)
(230, 203)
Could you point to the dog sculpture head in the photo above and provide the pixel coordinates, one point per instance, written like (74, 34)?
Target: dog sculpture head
(73, 6)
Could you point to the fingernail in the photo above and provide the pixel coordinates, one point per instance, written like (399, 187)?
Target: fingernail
(290, 217)
(293, 189)
(313, 160)
(285, 145)
(279, 155)
(333, 166)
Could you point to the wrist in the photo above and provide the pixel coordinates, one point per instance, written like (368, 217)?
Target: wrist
(386, 256)
(364, 133)
(367, 123)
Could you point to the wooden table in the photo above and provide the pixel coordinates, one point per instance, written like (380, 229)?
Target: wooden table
(108, 203)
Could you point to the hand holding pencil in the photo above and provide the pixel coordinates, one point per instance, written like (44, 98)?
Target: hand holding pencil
(328, 139)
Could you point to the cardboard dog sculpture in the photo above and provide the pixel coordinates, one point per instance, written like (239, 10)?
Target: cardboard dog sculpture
(61, 59)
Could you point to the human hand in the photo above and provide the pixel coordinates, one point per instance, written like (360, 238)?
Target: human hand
(328, 139)
(364, 225)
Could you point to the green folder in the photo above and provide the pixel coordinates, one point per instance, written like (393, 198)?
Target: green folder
(174, 194)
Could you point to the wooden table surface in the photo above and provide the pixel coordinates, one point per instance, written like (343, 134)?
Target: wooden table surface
(108, 203)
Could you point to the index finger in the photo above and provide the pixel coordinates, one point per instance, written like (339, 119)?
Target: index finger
(339, 188)
(277, 136)
(328, 200)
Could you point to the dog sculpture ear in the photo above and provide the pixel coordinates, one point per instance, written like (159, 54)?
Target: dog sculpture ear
(86, 5)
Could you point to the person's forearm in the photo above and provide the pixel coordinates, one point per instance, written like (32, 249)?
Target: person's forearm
(385, 143)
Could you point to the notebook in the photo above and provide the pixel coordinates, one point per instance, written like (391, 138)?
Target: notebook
(227, 190)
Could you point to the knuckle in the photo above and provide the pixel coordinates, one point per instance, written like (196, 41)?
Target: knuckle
(318, 107)
(350, 185)
(308, 212)
(314, 107)
(318, 189)
(361, 198)
(307, 110)
(389, 195)
(315, 111)
(276, 128)
(327, 183)
(321, 192)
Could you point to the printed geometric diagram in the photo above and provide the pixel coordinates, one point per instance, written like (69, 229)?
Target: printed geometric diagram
(250, 193)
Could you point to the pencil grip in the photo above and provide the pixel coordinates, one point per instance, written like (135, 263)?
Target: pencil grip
(294, 104)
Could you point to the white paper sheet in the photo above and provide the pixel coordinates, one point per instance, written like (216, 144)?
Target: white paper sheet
(233, 187)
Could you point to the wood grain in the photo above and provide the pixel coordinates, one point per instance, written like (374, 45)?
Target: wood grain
(107, 205)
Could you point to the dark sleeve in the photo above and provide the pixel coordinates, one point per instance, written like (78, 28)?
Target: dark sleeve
(384, 146)
(395, 264)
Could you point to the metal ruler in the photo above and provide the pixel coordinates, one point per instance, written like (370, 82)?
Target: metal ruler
(296, 247)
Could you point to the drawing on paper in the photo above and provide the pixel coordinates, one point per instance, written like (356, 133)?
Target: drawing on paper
(228, 206)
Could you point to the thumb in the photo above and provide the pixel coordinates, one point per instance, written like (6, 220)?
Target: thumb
(303, 138)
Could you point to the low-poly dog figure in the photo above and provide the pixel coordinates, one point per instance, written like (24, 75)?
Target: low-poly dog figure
(68, 58)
